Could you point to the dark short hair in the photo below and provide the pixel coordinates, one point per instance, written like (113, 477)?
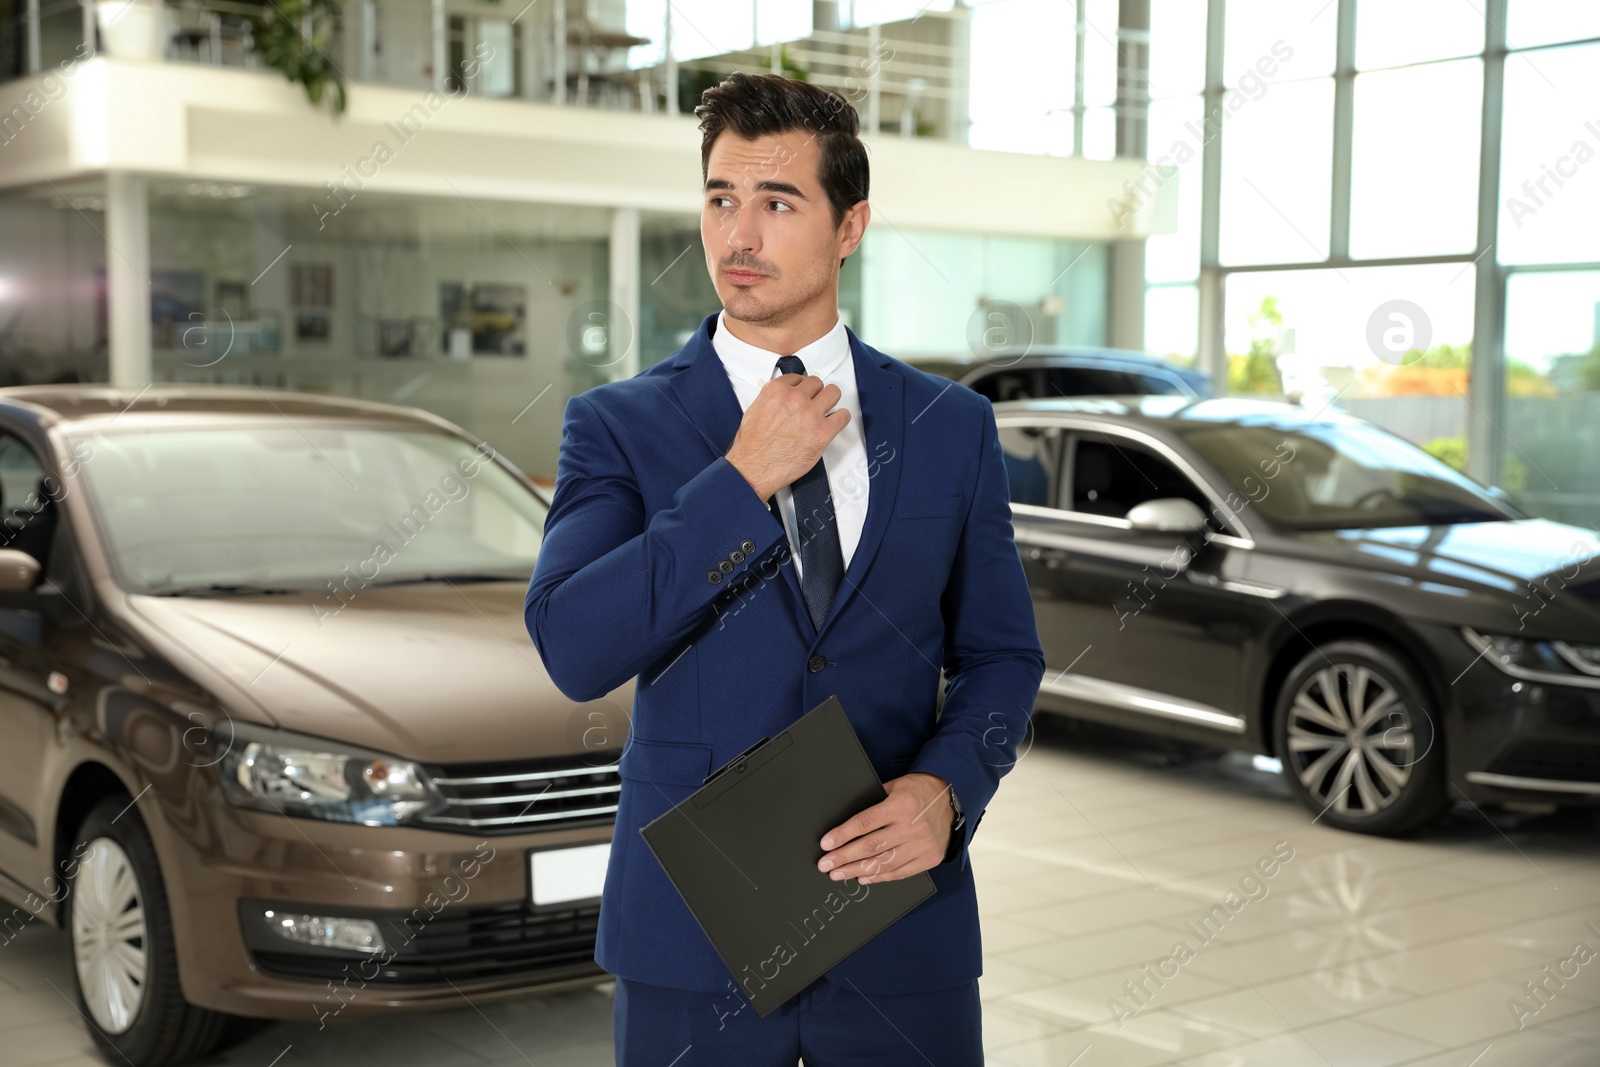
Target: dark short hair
(758, 105)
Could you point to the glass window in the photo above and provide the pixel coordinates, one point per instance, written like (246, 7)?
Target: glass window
(928, 292)
(1177, 140)
(1389, 34)
(52, 284)
(1009, 384)
(1177, 48)
(1552, 408)
(1432, 112)
(470, 309)
(26, 502)
(1112, 475)
(1535, 22)
(1549, 170)
(1021, 50)
(1391, 344)
(1095, 381)
(1100, 133)
(1100, 52)
(1033, 463)
(1277, 40)
(1172, 322)
(1339, 474)
(1277, 163)
(278, 506)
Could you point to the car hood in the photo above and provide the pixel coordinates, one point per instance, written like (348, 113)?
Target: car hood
(1524, 564)
(438, 673)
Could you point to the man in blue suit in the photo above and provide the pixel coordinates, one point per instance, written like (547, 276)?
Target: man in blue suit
(776, 514)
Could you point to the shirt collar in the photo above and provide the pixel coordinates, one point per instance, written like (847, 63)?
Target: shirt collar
(756, 366)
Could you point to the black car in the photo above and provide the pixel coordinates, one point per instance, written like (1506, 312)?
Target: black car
(1307, 586)
(1021, 373)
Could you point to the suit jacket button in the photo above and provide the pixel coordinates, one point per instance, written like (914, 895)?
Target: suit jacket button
(816, 663)
(748, 547)
(736, 556)
(725, 567)
(713, 577)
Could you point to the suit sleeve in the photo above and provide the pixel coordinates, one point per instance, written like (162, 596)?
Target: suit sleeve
(993, 662)
(612, 593)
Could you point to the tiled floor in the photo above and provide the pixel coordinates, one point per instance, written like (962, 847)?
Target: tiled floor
(1111, 940)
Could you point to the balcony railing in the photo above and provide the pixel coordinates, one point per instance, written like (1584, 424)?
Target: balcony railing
(907, 77)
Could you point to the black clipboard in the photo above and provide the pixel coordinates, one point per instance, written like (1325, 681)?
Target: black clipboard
(742, 851)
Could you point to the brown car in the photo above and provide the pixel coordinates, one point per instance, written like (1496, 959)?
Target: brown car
(274, 742)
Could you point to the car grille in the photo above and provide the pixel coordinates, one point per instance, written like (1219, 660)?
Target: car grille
(542, 794)
(460, 945)
(1547, 759)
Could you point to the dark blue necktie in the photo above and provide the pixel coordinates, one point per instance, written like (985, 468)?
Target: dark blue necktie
(821, 560)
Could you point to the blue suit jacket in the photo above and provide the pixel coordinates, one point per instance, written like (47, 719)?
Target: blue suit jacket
(660, 561)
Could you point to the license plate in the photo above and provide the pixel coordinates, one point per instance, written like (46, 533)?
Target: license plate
(560, 875)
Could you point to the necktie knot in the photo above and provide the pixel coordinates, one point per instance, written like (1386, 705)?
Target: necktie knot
(791, 365)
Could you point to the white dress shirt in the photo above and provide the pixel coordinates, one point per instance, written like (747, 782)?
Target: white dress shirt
(845, 459)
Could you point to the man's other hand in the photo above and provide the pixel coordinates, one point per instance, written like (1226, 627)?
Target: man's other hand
(905, 833)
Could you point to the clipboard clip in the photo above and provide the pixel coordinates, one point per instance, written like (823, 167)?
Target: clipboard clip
(735, 761)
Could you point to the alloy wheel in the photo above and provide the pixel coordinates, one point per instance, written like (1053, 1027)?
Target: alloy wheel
(1351, 740)
(109, 936)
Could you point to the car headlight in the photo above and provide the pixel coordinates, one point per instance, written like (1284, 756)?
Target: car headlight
(293, 774)
(1536, 660)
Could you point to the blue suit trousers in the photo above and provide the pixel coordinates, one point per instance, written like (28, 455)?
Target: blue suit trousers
(828, 1023)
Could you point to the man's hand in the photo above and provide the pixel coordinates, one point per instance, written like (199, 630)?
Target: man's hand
(785, 431)
(905, 833)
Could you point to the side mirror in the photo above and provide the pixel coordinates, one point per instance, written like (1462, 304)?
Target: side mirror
(19, 572)
(1167, 515)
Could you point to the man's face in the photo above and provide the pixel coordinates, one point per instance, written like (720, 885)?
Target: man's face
(771, 247)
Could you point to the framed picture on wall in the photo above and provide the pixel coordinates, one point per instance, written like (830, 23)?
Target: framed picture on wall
(499, 319)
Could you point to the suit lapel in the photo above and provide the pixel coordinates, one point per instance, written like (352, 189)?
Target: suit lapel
(704, 395)
(882, 399)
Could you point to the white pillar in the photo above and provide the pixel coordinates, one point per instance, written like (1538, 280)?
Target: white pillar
(32, 28)
(128, 278)
(625, 288)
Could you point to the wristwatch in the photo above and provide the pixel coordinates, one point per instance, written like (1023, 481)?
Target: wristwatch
(957, 828)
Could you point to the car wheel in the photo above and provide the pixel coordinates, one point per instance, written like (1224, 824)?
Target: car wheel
(1358, 744)
(125, 967)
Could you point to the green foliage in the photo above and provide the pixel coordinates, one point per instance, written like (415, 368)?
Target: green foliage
(1453, 451)
(1450, 450)
(278, 39)
(1441, 357)
(1589, 370)
(1257, 371)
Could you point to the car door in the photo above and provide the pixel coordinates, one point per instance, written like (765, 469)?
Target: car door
(1033, 448)
(1160, 618)
(27, 524)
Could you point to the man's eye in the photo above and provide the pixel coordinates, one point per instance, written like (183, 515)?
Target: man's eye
(780, 203)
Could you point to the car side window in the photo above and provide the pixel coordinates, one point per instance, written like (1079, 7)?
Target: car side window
(1087, 381)
(1033, 463)
(1111, 475)
(1159, 385)
(27, 509)
(1006, 385)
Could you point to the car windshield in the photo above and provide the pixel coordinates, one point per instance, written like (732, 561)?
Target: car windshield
(1339, 475)
(263, 507)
